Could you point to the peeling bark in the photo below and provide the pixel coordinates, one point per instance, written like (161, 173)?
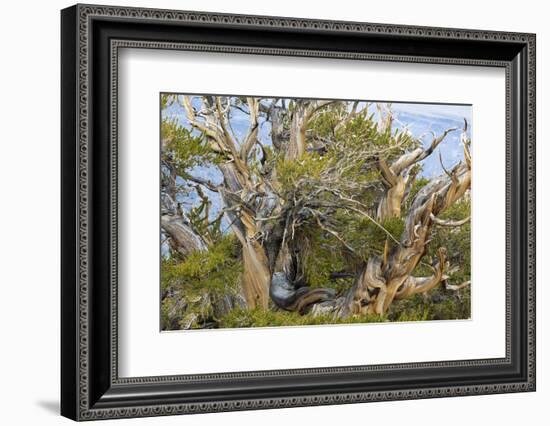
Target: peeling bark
(390, 205)
(256, 275)
(296, 299)
(185, 240)
(382, 282)
(297, 143)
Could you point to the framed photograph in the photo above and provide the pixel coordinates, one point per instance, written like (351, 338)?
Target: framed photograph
(263, 212)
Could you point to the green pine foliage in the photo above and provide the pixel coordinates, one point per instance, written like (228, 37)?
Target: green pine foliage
(302, 174)
(183, 148)
(439, 304)
(320, 260)
(194, 286)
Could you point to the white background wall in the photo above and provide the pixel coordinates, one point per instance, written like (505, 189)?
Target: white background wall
(29, 211)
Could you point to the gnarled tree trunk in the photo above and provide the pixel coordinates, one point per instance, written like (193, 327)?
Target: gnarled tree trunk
(389, 277)
(256, 275)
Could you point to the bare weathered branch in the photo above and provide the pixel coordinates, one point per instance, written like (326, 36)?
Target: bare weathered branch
(252, 134)
(206, 183)
(419, 154)
(456, 287)
(448, 222)
(185, 239)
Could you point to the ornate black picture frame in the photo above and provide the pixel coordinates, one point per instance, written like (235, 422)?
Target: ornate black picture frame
(91, 36)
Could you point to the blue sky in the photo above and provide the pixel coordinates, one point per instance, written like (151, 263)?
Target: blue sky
(420, 119)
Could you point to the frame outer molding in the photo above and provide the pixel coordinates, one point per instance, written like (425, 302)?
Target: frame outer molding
(76, 402)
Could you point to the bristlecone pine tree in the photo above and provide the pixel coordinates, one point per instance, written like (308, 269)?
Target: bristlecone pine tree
(330, 222)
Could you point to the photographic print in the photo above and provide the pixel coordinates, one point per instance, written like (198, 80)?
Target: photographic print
(296, 212)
